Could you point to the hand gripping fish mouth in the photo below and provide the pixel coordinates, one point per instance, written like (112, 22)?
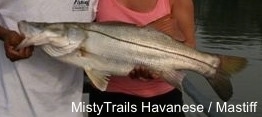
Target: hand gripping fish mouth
(104, 50)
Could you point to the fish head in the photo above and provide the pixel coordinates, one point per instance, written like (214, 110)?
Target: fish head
(37, 33)
(55, 38)
(32, 32)
(30, 29)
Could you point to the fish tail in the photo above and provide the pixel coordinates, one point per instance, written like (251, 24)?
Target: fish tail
(220, 82)
(232, 64)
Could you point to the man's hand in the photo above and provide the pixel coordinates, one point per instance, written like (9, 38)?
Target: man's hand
(143, 73)
(11, 40)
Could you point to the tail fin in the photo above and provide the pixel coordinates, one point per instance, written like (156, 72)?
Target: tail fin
(232, 64)
(220, 82)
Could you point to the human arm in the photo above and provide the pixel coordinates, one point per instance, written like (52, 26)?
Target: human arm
(3, 32)
(179, 24)
(183, 13)
(11, 40)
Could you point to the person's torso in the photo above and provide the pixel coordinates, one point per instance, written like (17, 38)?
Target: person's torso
(13, 11)
(111, 10)
(47, 11)
(38, 80)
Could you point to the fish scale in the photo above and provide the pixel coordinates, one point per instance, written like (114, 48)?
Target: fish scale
(135, 49)
(104, 50)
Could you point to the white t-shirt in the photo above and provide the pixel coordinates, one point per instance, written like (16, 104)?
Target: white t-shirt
(41, 86)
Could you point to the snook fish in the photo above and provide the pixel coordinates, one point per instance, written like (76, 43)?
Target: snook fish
(114, 49)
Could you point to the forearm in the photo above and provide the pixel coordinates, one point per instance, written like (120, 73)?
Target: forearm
(3, 32)
(183, 11)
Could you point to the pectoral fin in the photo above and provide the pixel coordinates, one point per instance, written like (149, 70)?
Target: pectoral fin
(98, 78)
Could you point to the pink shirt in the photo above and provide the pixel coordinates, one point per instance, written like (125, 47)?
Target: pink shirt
(111, 10)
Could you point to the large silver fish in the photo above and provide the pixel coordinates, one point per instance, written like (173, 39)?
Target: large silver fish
(114, 49)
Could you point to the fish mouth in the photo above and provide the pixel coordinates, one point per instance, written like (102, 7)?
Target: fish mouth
(22, 27)
(30, 28)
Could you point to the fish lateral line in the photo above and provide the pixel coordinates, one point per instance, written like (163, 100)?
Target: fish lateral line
(115, 38)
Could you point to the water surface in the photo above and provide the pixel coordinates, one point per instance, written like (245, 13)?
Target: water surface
(233, 27)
